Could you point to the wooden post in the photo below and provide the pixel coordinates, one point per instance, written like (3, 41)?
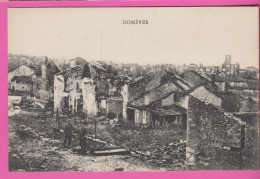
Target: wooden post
(57, 119)
(95, 127)
(95, 132)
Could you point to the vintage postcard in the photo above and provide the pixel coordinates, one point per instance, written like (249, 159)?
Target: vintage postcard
(133, 89)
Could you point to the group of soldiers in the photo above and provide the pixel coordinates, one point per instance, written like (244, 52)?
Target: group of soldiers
(81, 132)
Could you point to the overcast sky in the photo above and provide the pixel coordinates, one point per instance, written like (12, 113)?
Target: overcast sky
(174, 35)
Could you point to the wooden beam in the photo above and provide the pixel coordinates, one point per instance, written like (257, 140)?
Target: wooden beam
(119, 151)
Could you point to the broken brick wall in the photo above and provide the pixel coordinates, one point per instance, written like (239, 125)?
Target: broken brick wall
(212, 136)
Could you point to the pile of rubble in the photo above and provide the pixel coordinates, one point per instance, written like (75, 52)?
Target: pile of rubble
(26, 132)
(109, 121)
(164, 148)
(171, 155)
(31, 105)
(35, 155)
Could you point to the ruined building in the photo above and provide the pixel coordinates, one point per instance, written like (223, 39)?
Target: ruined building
(215, 137)
(84, 89)
(21, 84)
(34, 79)
(198, 78)
(158, 99)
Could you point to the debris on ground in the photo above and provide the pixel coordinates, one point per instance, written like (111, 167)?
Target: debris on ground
(159, 147)
(26, 132)
(36, 144)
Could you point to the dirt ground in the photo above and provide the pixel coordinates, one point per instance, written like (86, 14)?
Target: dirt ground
(40, 148)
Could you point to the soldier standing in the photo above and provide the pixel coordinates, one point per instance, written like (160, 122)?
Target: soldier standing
(68, 129)
(82, 131)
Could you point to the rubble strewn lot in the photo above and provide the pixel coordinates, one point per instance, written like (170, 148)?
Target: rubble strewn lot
(32, 146)
(35, 145)
(159, 147)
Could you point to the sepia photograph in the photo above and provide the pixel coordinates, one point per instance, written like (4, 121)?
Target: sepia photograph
(133, 89)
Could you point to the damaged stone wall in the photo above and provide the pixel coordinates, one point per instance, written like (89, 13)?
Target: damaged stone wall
(89, 98)
(58, 92)
(125, 96)
(102, 87)
(251, 150)
(214, 137)
(114, 106)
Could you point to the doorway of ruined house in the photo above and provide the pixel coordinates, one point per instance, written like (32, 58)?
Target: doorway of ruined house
(184, 121)
(155, 119)
(65, 103)
(131, 115)
(168, 121)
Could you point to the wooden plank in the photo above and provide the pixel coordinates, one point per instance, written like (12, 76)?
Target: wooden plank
(119, 151)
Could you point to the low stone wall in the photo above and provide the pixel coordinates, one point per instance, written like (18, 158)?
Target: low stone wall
(214, 138)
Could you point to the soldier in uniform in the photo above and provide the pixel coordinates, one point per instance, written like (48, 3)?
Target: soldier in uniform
(68, 129)
(82, 131)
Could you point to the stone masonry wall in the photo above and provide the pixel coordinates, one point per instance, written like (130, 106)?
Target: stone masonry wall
(214, 138)
(58, 92)
(89, 98)
(114, 106)
(251, 150)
